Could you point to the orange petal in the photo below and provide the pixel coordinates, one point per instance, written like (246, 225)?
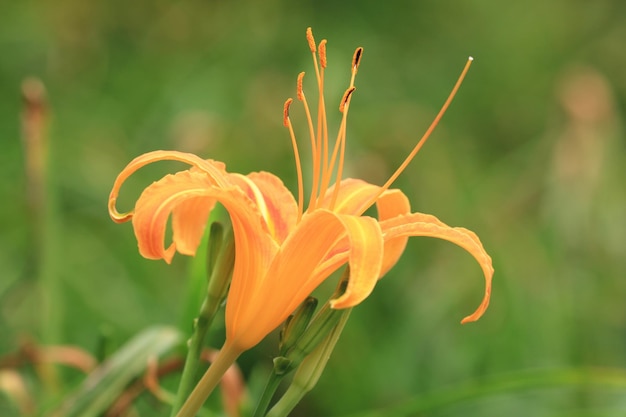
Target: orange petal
(418, 224)
(354, 197)
(214, 171)
(190, 196)
(189, 219)
(390, 204)
(365, 259)
(184, 192)
(275, 201)
(318, 235)
(290, 277)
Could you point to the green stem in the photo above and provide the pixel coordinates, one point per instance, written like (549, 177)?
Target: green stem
(270, 388)
(221, 258)
(309, 371)
(308, 353)
(44, 222)
(188, 378)
(225, 358)
(286, 404)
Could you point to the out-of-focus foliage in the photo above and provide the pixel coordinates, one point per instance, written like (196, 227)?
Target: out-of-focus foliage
(530, 156)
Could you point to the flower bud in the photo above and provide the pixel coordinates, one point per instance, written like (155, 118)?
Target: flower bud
(296, 324)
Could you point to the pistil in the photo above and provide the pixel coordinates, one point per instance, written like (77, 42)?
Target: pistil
(424, 137)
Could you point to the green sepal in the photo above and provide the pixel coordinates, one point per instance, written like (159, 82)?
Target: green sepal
(319, 327)
(282, 365)
(309, 370)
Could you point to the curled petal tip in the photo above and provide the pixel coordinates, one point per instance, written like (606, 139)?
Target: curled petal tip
(469, 319)
(346, 300)
(115, 215)
(340, 303)
(483, 305)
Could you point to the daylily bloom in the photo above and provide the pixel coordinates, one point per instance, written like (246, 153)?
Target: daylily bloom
(284, 250)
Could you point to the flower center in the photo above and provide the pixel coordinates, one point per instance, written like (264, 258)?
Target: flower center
(326, 162)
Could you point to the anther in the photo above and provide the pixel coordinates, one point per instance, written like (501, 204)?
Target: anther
(345, 98)
(310, 40)
(322, 53)
(286, 112)
(299, 89)
(356, 58)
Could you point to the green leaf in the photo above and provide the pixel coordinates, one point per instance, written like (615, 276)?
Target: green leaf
(105, 384)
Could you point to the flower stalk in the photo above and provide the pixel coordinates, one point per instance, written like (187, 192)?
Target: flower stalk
(225, 358)
(220, 261)
(294, 351)
(309, 371)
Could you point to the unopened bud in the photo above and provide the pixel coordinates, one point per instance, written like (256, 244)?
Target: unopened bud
(309, 370)
(296, 324)
(216, 236)
(221, 261)
(321, 325)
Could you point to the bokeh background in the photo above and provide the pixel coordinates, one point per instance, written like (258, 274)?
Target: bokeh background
(531, 156)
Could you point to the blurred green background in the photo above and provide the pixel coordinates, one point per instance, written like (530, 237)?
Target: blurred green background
(530, 156)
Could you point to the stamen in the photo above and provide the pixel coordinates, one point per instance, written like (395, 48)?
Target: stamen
(356, 59)
(294, 144)
(426, 135)
(322, 127)
(346, 97)
(299, 89)
(310, 39)
(340, 144)
(322, 53)
(307, 112)
(286, 112)
(316, 140)
(314, 144)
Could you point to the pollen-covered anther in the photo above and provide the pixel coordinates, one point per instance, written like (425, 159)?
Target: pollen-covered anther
(345, 98)
(286, 112)
(356, 58)
(300, 91)
(322, 53)
(310, 39)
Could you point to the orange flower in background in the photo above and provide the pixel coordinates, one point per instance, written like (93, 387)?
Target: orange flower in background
(284, 251)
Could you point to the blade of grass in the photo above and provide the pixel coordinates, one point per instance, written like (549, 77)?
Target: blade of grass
(104, 385)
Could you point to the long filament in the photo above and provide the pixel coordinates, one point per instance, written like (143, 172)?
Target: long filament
(322, 125)
(302, 97)
(425, 136)
(294, 144)
(323, 166)
(340, 143)
(315, 139)
(343, 107)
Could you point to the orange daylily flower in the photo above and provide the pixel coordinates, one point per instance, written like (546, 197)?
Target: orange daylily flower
(284, 251)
